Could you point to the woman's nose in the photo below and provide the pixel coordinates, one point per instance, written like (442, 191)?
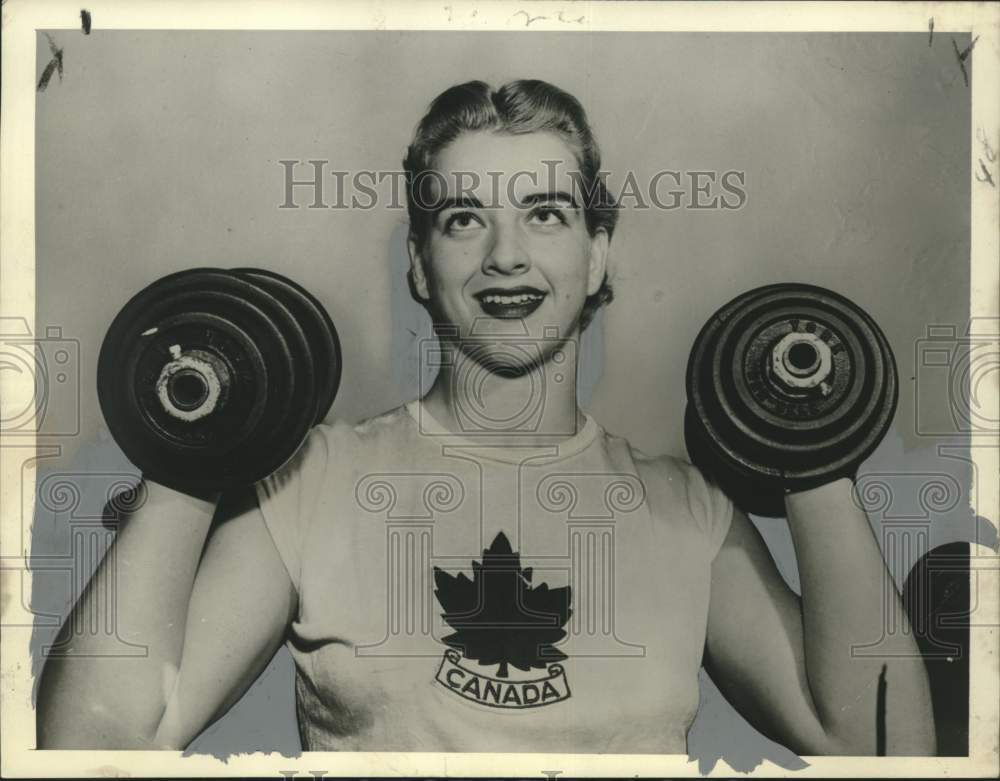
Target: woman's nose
(506, 254)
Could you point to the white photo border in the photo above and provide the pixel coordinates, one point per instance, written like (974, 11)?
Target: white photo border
(21, 20)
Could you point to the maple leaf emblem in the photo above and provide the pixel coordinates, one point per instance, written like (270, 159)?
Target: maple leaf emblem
(498, 616)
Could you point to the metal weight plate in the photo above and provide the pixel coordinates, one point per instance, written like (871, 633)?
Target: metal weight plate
(317, 325)
(200, 381)
(788, 386)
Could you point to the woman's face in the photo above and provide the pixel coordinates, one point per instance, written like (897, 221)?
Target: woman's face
(508, 253)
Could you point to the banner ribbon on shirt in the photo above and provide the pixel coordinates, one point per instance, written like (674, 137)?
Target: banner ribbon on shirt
(500, 692)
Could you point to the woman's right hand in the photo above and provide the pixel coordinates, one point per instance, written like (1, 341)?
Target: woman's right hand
(202, 598)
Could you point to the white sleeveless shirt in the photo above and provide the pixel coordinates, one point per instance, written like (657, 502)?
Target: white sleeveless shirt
(462, 597)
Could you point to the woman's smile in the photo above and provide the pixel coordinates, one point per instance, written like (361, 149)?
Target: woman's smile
(510, 303)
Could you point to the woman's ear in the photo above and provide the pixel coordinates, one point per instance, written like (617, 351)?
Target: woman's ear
(599, 244)
(418, 281)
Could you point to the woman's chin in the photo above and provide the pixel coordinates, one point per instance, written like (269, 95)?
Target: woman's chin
(534, 327)
(481, 334)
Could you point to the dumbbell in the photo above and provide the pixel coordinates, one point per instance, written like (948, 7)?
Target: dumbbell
(789, 386)
(210, 379)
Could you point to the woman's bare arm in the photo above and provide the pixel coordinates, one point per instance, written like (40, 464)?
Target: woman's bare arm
(794, 666)
(210, 614)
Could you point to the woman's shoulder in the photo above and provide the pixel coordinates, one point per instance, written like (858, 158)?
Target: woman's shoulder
(389, 429)
(662, 466)
(670, 480)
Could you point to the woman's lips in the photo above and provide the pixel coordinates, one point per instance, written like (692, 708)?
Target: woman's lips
(510, 306)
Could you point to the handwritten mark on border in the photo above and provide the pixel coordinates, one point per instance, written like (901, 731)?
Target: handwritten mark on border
(963, 56)
(55, 65)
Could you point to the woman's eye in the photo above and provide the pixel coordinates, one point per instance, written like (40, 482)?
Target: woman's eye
(548, 215)
(461, 221)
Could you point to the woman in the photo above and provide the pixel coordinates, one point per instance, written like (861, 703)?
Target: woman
(434, 570)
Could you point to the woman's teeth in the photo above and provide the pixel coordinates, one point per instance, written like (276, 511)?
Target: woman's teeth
(523, 298)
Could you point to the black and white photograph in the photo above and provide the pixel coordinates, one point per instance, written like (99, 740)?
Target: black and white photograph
(500, 389)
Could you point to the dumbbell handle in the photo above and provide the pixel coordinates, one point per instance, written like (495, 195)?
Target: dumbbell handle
(193, 384)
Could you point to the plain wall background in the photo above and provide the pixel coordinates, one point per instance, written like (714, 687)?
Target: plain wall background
(158, 151)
